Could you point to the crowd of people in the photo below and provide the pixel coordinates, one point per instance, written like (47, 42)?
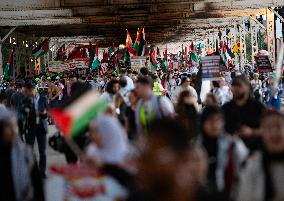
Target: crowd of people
(164, 136)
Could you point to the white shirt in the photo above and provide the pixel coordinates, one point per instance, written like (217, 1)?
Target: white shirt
(227, 94)
(130, 84)
(180, 89)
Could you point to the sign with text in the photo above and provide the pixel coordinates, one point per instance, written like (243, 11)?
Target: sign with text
(263, 63)
(211, 67)
(60, 66)
(82, 183)
(137, 62)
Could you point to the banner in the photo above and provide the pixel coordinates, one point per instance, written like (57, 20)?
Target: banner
(57, 66)
(82, 183)
(137, 62)
(60, 66)
(212, 67)
(263, 63)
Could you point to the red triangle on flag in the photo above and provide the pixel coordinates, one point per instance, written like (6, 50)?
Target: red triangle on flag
(62, 120)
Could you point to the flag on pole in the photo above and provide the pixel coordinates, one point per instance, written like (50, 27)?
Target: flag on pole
(142, 42)
(165, 61)
(137, 42)
(192, 47)
(7, 66)
(158, 54)
(236, 48)
(42, 49)
(153, 60)
(96, 62)
(105, 56)
(194, 57)
(76, 117)
(129, 44)
(103, 69)
(128, 40)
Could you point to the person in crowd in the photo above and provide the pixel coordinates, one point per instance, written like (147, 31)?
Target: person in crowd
(150, 106)
(121, 100)
(144, 71)
(171, 84)
(60, 87)
(217, 91)
(158, 89)
(9, 92)
(53, 93)
(164, 81)
(256, 85)
(112, 88)
(243, 113)
(20, 178)
(35, 108)
(187, 112)
(71, 80)
(262, 178)
(130, 123)
(168, 168)
(124, 75)
(211, 100)
(226, 153)
(16, 105)
(185, 85)
(272, 95)
(3, 100)
(226, 91)
(109, 142)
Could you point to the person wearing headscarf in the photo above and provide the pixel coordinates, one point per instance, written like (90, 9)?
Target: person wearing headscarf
(226, 153)
(20, 177)
(185, 85)
(262, 178)
(272, 95)
(109, 140)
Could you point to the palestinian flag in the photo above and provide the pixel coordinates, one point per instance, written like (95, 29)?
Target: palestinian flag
(164, 61)
(236, 48)
(42, 49)
(153, 60)
(96, 62)
(75, 118)
(199, 49)
(137, 42)
(192, 47)
(7, 66)
(6, 71)
(128, 42)
(158, 53)
(194, 57)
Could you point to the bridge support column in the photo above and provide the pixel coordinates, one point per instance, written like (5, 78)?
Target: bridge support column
(270, 35)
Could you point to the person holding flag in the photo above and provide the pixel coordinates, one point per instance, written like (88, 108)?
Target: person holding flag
(96, 63)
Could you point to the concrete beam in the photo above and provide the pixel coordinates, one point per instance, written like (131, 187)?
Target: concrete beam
(35, 14)
(38, 22)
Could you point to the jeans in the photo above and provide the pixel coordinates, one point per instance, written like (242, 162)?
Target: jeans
(39, 133)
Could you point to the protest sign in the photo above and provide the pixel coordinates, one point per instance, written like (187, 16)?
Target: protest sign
(137, 62)
(81, 183)
(263, 63)
(211, 67)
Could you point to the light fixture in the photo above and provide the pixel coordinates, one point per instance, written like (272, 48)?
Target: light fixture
(122, 46)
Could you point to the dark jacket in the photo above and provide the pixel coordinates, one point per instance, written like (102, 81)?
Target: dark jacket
(30, 112)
